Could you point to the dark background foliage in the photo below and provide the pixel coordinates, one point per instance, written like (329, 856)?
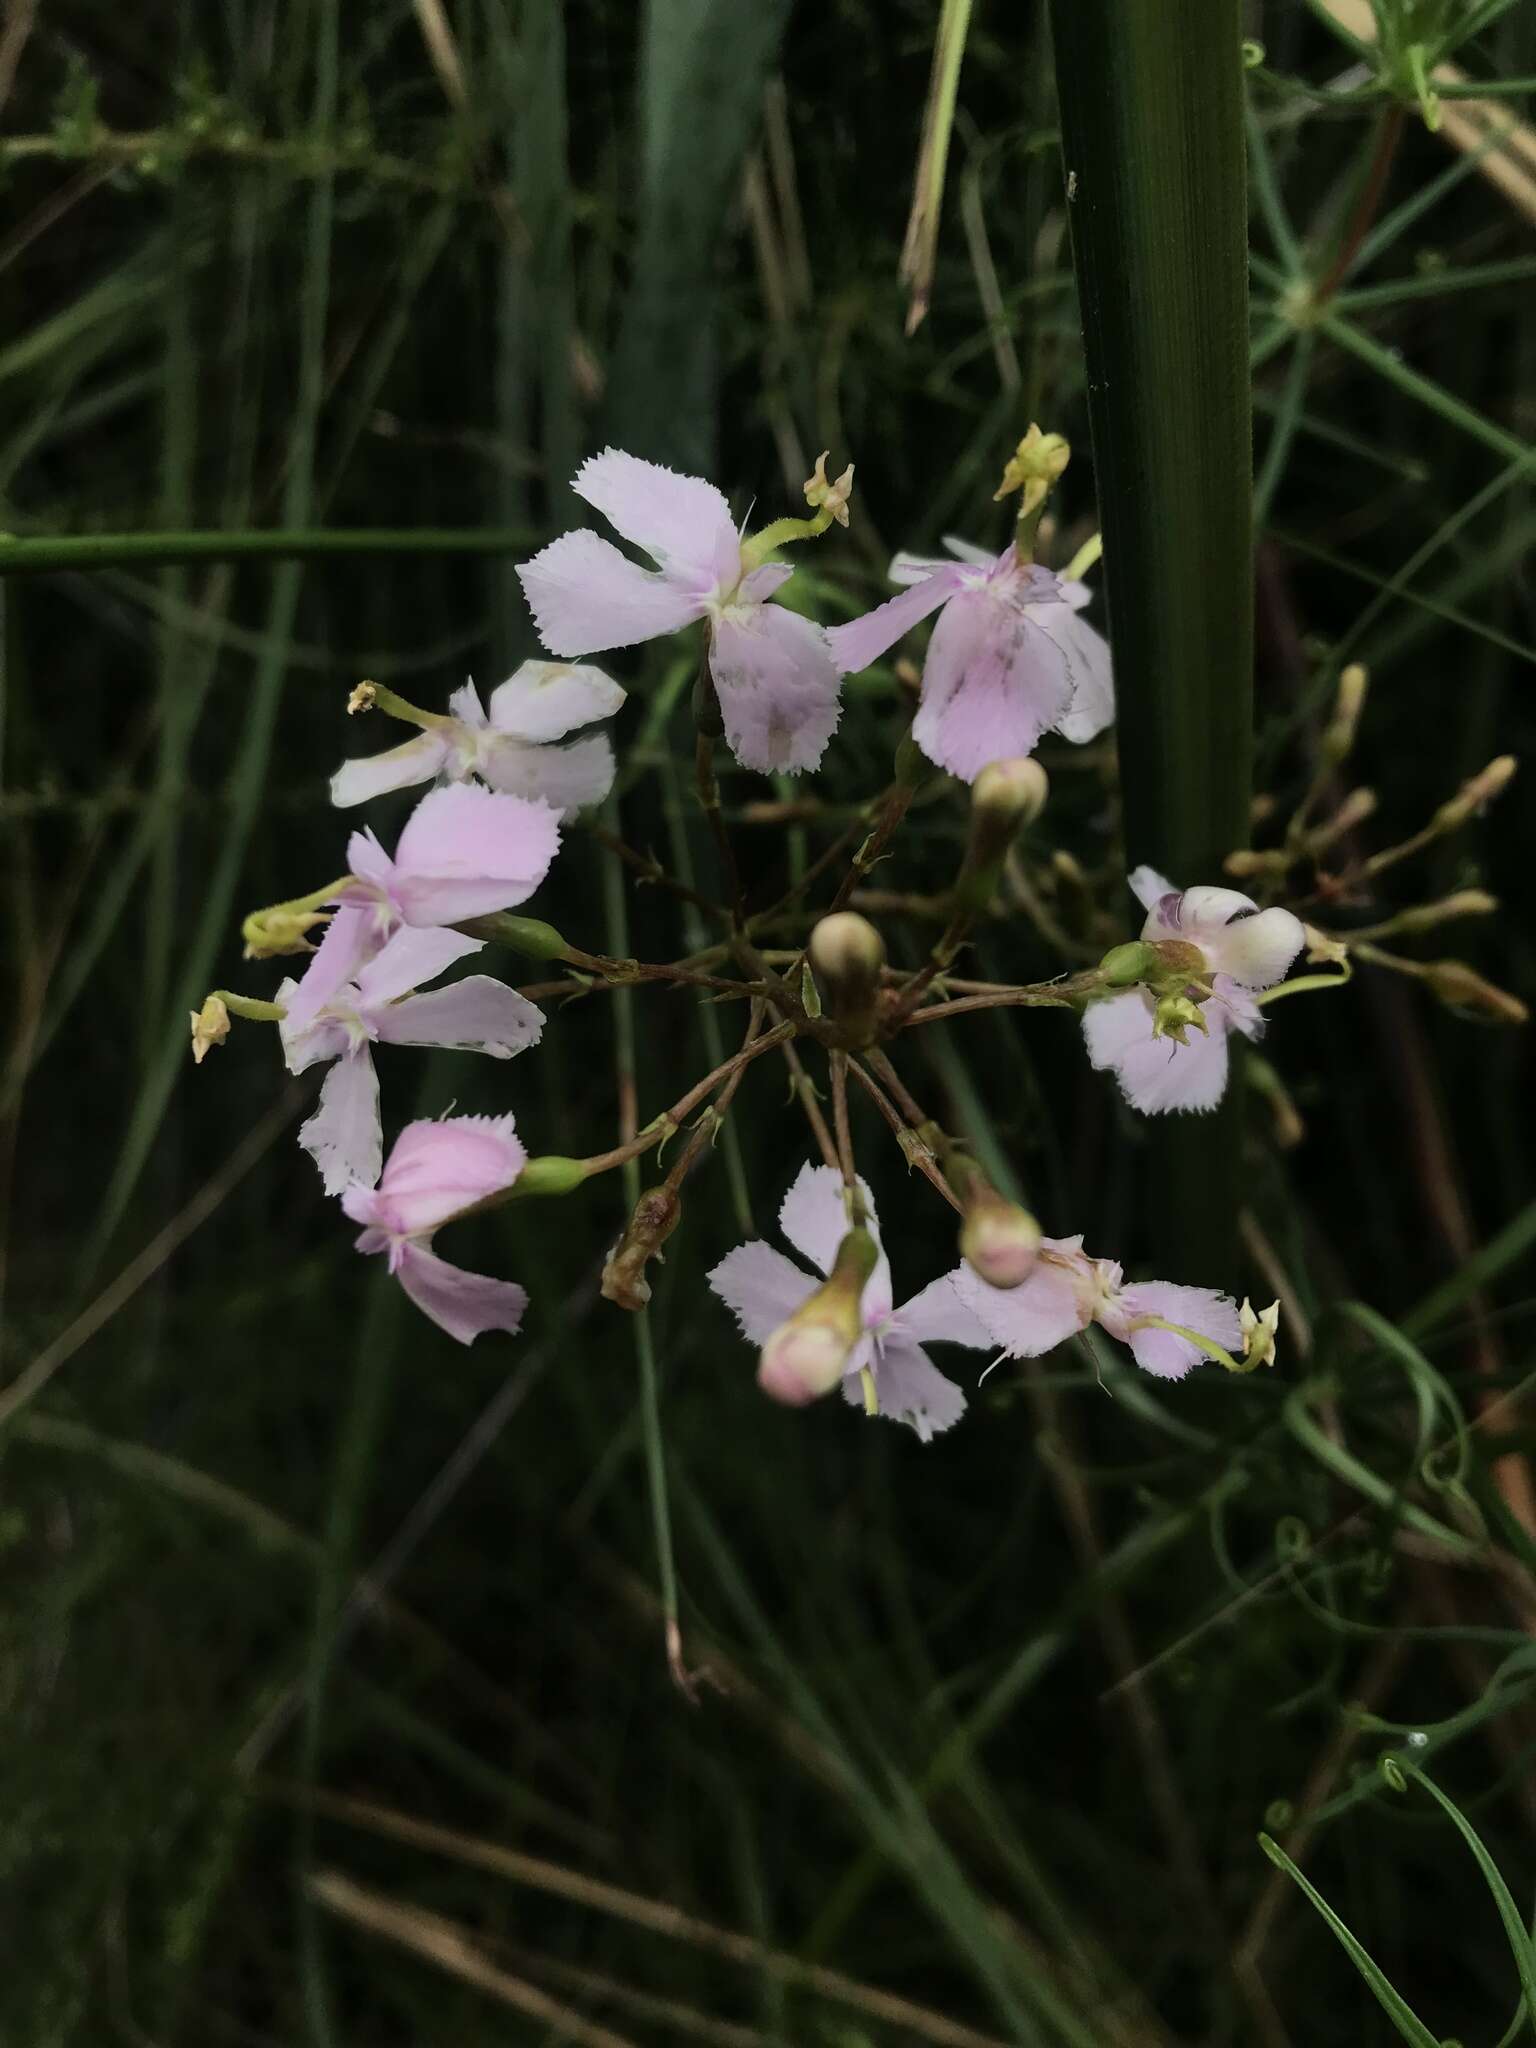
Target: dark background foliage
(989, 1725)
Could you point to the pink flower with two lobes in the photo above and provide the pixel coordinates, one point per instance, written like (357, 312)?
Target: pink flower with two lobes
(1068, 1290)
(520, 746)
(436, 1170)
(763, 1287)
(1245, 949)
(773, 670)
(357, 993)
(1008, 660)
(464, 852)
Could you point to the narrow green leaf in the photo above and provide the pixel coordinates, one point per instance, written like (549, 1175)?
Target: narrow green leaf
(1152, 128)
(1391, 2001)
(1515, 1929)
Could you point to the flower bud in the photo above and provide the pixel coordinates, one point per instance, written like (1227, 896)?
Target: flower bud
(210, 1026)
(847, 954)
(1339, 738)
(656, 1216)
(999, 1240)
(809, 1353)
(1005, 797)
(363, 698)
(1476, 795)
(1460, 987)
(1359, 805)
(1424, 917)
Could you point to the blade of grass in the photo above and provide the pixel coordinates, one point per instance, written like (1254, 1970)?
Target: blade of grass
(1391, 2001)
(1153, 143)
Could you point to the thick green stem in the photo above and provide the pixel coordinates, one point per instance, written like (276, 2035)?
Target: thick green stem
(1152, 127)
(35, 555)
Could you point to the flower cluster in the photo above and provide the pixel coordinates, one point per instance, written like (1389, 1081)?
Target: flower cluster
(1010, 658)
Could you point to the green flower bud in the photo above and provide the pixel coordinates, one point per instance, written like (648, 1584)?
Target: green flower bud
(847, 954)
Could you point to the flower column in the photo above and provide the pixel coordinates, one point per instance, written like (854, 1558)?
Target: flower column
(1152, 128)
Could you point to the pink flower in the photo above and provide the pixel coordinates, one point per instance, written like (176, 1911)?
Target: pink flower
(1008, 659)
(436, 1170)
(1245, 948)
(762, 1288)
(773, 670)
(1068, 1290)
(464, 852)
(513, 748)
(357, 992)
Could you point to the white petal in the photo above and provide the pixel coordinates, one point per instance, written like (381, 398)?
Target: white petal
(478, 1014)
(345, 1137)
(417, 760)
(544, 700)
(909, 1388)
(585, 596)
(761, 1287)
(682, 522)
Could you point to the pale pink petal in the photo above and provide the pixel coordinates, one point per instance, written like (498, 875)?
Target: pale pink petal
(585, 596)
(345, 1137)
(761, 1288)
(905, 568)
(474, 1015)
(909, 1388)
(1196, 1308)
(992, 684)
(1241, 1011)
(411, 958)
(1256, 950)
(1075, 594)
(1086, 655)
(322, 1038)
(417, 760)
(466, 1305)
(466, 852)
(1024, 1321)
(777, 684)
(940, 1314)
(466, 707)
(865, 639)
(438, 1167)
(682, 522)
(1158, 1074)
(368, 861)
(814, 1216)
(758, 585)
(566, 778)
(544, 700)
(351, 939)
(1149, 887)
(974, 557)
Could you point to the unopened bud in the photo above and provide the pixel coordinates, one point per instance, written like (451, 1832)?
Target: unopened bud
(1475, 796)
(847, 954)
(1005, 797)
(210, 1026)
(1246, 863)
(655, 1217)
(834, 496)
(1460, 987)
(1423, 917)
(1339, 738)
(271, 933)
(1036, 464)
(999, 1241)
(1323, 950)
(1359, 805)
(807, 1355)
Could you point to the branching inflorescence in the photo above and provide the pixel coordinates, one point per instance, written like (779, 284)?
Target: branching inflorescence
(1010, 657)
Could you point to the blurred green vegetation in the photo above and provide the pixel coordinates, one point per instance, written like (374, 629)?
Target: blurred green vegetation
(333, 1666)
